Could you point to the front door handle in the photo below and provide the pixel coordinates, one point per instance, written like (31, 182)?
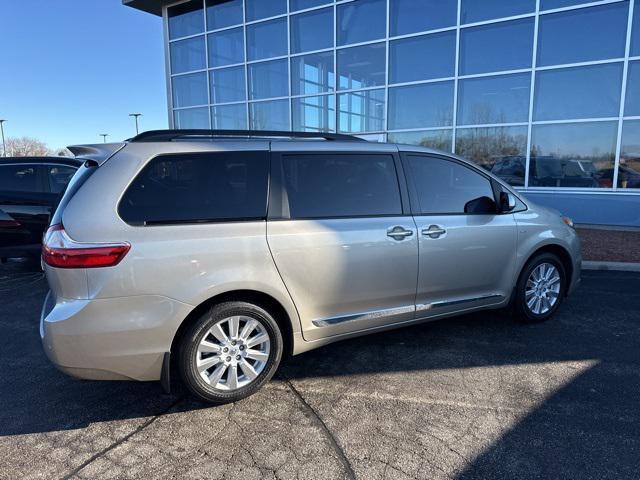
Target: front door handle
(434, 231)
(399, 233)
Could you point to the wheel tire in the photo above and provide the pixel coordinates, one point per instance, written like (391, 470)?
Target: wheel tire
(521, 309)
(190, 342)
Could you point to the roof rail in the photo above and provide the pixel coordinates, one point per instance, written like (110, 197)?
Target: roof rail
(168, 135)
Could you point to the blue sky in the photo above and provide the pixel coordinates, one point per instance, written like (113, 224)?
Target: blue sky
(72, 69)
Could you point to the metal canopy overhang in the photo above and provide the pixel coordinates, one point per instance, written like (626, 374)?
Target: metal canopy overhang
(150, 6)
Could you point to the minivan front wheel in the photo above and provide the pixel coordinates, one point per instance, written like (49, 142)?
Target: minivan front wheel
(541, 288)
(230, 352)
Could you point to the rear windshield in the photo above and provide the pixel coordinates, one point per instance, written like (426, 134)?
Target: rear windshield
(198, 187)
(78, 179)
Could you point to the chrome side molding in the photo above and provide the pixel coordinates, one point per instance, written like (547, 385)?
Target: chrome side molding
(365, 316)
(422, 307)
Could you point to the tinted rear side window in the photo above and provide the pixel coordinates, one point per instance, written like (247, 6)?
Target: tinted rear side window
(446, 187)
(326, 186)
(202, 187)
(19, 178)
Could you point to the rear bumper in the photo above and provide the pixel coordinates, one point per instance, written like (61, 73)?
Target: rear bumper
(121, 338)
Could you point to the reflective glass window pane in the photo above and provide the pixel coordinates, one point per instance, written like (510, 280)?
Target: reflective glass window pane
(410, 16)
(629, 172)
(361, 21)
(190, 90)
(226, 47)
(272, 115)
(501, 150)
(267, 39)
(499, 99)
(227, 85)
(361, 67)
(229, 117)
(477, 11)
(421, 106)
(572, 154)
(268, 79)
(302, 4)
(312, 30)
(257, 9)
(495, 47)
(439, 139)
(579, 92)
(582, 35)
(632, 102)
(191, 118)
(314, 114)
(422, 58)
(635, 32)
(551, 4)
(223, 13)
(361, 111)
(312, 73)
(186, 19)
(187, 55)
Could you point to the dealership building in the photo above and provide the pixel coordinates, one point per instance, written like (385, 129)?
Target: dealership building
(543, 93)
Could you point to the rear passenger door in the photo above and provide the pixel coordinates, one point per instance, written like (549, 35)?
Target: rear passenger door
(343, 240)
(467, 248)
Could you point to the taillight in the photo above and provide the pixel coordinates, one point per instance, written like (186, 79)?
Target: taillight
(59, 251)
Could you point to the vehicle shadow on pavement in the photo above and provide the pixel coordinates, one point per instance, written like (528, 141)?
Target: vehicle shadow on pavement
(589, 427)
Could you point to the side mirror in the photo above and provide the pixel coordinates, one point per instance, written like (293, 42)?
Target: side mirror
(507, 202)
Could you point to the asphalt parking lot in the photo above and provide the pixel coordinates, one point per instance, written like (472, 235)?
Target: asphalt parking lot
(475, 397)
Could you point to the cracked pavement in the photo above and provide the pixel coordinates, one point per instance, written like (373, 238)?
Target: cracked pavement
(473, 397)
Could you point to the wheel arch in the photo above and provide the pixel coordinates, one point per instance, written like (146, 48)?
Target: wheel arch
(264, 300)
(559, 251)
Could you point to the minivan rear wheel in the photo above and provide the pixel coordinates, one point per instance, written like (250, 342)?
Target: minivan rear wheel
(540, 289)
(230, 352)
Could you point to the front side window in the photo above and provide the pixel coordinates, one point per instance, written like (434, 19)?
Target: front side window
(341, 185)
(202, 187)
(447, 187)
(18, 178)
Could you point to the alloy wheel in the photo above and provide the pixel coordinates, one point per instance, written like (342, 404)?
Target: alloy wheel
(543, 288)
(233, 353)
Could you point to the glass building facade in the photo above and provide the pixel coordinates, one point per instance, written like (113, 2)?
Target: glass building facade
(543, 93)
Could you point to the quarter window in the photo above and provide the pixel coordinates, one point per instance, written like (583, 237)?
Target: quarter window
(203, 187)
(447, 187)
(321, 186)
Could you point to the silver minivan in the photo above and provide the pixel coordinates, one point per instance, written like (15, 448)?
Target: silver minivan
(213, 254)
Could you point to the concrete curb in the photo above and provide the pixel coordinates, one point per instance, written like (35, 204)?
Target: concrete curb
(612, 266)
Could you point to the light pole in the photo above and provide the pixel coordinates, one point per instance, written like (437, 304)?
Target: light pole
(136, 115)
(104, 137)
(4, 146)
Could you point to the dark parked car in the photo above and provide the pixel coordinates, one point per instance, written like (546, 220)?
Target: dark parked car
(29, 190)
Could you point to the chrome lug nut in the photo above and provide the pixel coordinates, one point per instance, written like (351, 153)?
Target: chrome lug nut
(238, 357)
(228, 359)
